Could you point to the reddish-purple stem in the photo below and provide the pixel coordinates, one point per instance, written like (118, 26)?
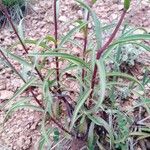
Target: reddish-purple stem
(4, 10)
(101, 50)
(85, 44)
(57, 60)
(56, 41)
(30, 88)
(37, 101)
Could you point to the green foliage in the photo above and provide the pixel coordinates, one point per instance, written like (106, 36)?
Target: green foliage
(10, 3)
(16, 9)
(127, 4)
(97, 114)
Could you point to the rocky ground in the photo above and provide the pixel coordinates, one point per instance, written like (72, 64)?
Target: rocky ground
(21, 131)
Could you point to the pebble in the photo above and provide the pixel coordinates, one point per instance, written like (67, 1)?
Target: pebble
(2, 85)
(4, 94)
(141, 92)
(135, 96)
(63, 19)
(79, 35)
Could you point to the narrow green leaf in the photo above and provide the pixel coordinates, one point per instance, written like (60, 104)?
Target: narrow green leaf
(127, 4)
(130, 38)
(69, 57)
(20, 29)
(94, 1)
(124, 75)
(20, 91)
(17, 58)
(91, 136)
(43, 129)
(70, 33)
(144, 46)
(50, 39)
(42, 141)
(97, 23)
(34, 42)
(35, 50)
(101, 122)
(21, 105)
(78, 106)
(102, 85)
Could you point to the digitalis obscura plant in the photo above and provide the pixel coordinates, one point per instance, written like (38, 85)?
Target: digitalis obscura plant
(92, 117)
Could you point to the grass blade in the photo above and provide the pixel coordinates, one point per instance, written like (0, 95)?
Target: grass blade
(79, 105)
(71, 32)
(97, 23)
(17, 58)
(101, 122)
(102, 84)
(132, 38)
(124, 75)
(69, 57)
(20, 91)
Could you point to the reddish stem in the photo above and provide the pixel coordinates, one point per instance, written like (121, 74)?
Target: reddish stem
(56, 41)
(4, 10)
(30, 89)
(101, 50)
(37, 101)
(85, 44)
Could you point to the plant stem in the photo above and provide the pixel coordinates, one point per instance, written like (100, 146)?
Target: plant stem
(56, 58)
(4, 10)
(85, 45)
(101, 50)
(61, 127)
(30, 88)
(56, 42)
(31, 91)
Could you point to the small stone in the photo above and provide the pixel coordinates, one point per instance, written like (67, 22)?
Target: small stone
(4, 95)
(27, 142)
(63, 19)
(71, 27)
(79, 35)
(120, 7)
(2, 86)
(80, 12)
(20, 141)
(114, 16)
(141, 92)
(140, 77)
(135, 96)
(33, 127)
(39, 97)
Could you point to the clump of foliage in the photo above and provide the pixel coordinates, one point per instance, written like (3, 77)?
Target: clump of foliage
(97, 117)
(16, 9)
(11, 3)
